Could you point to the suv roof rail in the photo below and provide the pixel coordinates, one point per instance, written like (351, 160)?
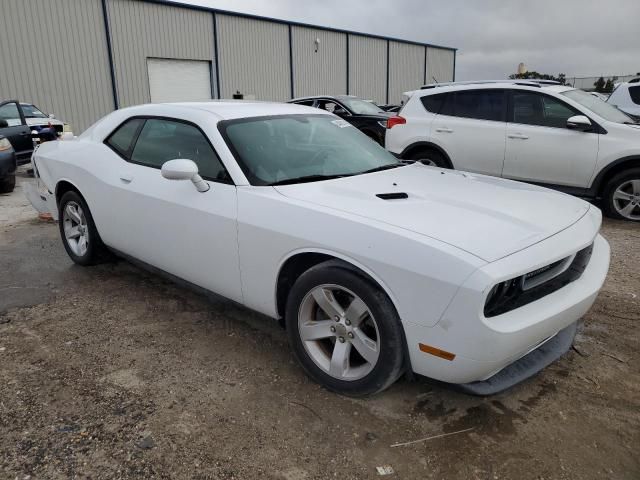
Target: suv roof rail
(529, 82)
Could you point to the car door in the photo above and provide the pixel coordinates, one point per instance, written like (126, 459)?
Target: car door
(471, 127)
(169, 224)
(540, 147)
(14, 127)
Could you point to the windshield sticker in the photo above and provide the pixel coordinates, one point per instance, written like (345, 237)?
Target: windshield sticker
(341, 123)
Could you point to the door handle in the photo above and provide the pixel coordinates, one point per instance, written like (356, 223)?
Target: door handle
(518, 136)
(126, 178)
(444, 130)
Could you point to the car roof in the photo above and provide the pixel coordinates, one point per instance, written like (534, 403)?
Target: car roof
(452, 87)
(331, 97)
(232, 109)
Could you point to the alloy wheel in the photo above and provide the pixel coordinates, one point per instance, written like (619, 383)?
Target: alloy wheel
(339, 332)
(626, 199)
(75, 227)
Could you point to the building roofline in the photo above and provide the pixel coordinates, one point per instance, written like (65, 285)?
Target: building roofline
(174, 3)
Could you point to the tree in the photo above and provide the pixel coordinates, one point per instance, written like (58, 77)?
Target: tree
(599, 84)
(540, 76)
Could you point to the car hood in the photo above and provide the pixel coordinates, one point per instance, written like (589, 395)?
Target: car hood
(486, 216)
(32, 122)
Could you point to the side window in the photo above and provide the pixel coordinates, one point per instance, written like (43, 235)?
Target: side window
(530, 108)
(163, 140)
(479, 104)
(328, 106)
(122, 139)
(635, 94)
(306, 103)
(433, 103)
(9, 113)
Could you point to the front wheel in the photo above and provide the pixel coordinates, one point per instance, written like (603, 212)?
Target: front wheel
(622, 196)
(78, 231)
(344, 331)
(7, 184)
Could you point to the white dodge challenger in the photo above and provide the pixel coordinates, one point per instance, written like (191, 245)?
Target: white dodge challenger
(376, 266)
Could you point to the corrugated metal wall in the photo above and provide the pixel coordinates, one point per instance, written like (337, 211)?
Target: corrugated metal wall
(319, 72)
(406, 69)
(368, 68)
(439, 65)
(254, 58)
(140, 30)
(54, 54)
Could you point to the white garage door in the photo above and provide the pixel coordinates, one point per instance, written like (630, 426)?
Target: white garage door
(179, 80)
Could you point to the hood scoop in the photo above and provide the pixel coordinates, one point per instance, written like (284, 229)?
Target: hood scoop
(392, 196)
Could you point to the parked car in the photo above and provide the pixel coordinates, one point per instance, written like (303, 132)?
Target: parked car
(626, 97)
(376, 266)
(8, 165)
(37, 119)
(362, 114)
(14, 127)
(552, 135)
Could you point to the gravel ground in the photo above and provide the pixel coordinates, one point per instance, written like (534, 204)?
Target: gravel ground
(111, 372)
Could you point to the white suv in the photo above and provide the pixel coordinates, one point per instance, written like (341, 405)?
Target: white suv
(626, 97)
(551, 135)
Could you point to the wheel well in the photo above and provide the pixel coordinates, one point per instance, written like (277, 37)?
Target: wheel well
(297, 265)
(64, 187)
(425, 147)
(601, 183)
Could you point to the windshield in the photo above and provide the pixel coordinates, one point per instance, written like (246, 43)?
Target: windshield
(603, 109)
(31, 111)
(299, 148)
(361, 107)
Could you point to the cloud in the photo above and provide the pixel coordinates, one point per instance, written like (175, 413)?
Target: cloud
(576, 37)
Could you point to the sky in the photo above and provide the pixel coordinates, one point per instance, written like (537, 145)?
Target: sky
(576, 37)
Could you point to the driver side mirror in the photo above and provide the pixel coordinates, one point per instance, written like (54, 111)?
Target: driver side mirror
(579, 122)
(4, 123)
(184, 169)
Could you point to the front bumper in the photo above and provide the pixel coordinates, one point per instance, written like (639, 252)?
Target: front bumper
(485, 346)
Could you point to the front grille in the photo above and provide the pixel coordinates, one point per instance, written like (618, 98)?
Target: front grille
(524, 290)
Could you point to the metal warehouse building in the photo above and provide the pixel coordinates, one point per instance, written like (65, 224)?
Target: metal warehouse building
(80, 59)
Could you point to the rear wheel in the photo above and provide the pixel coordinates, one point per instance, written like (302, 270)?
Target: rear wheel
(78, 231)
(344, 331)
(7, 184)
(430, 157)
(622, 196)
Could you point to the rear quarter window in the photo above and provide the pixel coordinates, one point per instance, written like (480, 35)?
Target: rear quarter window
(634, 92)
(433, 103)
(122, 138)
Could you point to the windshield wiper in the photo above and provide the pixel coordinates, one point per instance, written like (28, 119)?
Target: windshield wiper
(305, 179)
(383, 167)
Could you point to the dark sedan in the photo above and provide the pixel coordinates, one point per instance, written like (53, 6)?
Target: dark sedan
(7, 166)
(366, 116)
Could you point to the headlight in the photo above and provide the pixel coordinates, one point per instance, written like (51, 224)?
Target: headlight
(4, 144)
(382, 123)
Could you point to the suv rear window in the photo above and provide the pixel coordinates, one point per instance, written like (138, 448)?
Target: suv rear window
(433, 103)
(635, 94)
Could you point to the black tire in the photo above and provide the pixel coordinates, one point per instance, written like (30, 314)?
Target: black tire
(390, 362)
(430, 155)
(609, 202)
(7, 184)
(96, 252)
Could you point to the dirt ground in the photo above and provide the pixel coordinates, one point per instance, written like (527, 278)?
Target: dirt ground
(111, 372)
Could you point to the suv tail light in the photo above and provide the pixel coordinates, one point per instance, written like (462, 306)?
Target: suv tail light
(397, 120)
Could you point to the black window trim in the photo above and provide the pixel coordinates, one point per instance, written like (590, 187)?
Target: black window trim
(597, 128)
(127, 158)
(452, 94)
